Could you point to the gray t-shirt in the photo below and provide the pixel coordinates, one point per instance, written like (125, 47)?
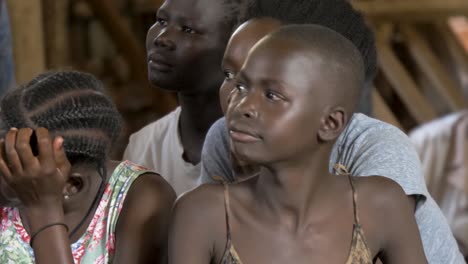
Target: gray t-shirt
(367, 147)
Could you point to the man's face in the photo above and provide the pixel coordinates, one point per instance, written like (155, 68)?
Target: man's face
(186, 44)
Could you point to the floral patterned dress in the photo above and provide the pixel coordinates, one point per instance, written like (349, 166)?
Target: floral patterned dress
(96, 245)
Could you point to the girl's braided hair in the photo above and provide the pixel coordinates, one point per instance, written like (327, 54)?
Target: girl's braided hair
(70, 104)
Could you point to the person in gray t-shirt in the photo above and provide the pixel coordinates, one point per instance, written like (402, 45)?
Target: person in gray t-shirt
(367, 147)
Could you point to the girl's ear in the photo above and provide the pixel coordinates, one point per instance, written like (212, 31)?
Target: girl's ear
(74, 185)
(332, 124)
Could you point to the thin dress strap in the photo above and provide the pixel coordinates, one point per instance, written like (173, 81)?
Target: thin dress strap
(227, 209)
(340, 169)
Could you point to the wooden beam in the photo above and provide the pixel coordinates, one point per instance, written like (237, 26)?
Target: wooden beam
(445, 87)
(402, 83)
(28, 38)
(458, 54)
(56, 33)
(382, 111)
(411, 10)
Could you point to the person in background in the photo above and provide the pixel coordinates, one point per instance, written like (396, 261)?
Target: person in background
(61, 199)
(7, 72)
(367, 147)
(443, 148)
(185, 47)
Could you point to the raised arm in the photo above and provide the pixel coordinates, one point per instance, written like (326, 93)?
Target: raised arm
(38, 182)
(142, 228)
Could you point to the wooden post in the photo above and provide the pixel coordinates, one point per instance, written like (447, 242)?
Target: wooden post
(446, 88)
(381, 110)
(28, 38)
(458, 55)
(401, 81)
(56, 32)
(411, 10)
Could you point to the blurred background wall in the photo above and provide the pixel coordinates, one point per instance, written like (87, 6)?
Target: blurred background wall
(422, 45)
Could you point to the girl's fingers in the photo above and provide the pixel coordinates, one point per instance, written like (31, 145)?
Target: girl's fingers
(61, 157)
(23, 148)
(4, 170)
(12, 159)
(46, 155)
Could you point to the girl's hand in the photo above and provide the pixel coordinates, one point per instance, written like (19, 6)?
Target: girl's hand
(38, 181)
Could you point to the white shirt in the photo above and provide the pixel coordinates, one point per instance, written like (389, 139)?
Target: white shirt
(437, 144)
(158, 147)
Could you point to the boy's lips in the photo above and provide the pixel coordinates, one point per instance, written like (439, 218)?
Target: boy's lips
(243, 135)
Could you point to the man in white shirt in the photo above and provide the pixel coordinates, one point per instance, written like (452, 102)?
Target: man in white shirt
(185, 48)
(443, 149)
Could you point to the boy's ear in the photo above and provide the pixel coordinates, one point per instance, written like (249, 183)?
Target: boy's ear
(332, 124)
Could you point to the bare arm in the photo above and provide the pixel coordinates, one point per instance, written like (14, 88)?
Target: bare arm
(402, 241)
(195, 220)
(142, 228)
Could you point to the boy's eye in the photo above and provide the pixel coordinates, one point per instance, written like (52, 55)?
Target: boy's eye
(161, 21)
(228, 75)
(272, 96)
(188, 30)
(241, 87)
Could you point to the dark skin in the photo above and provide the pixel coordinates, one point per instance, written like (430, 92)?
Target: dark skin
(242, 40)
(294, 211)
(39, 184)
(185, 47)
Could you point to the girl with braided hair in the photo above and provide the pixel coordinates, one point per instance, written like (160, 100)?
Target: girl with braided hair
(61, 199)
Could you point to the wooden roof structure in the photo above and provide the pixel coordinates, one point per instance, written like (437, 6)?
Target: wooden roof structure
(422, 61)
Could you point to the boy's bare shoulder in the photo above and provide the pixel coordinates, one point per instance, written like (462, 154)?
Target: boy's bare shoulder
(380, 194)
(207, 202)
(207, 198)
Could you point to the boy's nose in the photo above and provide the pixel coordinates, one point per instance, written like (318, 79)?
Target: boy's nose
(248, 107)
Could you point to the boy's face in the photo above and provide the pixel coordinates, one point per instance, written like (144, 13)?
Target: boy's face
(274, 114)
(186, 44)
(243, 39)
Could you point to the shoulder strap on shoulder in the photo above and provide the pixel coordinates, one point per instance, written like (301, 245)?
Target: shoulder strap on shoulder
(340, 169)
(227, 209)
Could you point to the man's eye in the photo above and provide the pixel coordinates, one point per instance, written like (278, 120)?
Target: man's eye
(188, 30)
(228, 75)
(161, 21)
